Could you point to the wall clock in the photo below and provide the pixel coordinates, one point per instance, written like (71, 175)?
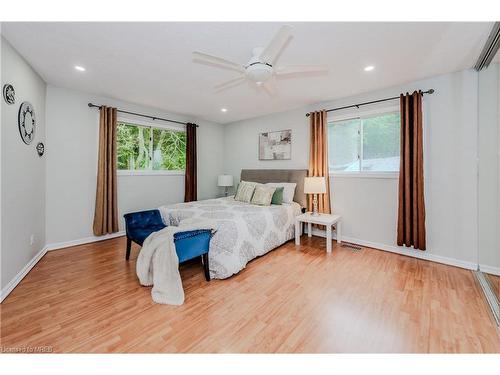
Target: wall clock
(27, 122)
(9, 95)
(40, 148)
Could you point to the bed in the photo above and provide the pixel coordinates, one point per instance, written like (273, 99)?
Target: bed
(245, 231)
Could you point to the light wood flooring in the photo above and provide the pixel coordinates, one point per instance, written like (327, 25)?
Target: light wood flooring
(294, 299)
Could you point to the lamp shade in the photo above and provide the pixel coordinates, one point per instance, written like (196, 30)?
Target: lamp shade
(314, 185)
(225, 180)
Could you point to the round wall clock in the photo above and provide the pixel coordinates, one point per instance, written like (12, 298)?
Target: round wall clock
(9, 95)
(40, 148)
(27, 122)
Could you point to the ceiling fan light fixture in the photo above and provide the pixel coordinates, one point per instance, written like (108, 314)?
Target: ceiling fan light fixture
(259, 72)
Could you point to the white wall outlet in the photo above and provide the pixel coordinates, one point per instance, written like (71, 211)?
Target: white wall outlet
(32, 239)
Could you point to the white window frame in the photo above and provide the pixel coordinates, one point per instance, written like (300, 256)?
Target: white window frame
(360, 114)
(150, 124)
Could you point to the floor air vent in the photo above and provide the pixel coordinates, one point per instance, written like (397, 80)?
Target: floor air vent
(351, 246)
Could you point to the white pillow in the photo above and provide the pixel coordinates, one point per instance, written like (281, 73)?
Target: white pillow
(288, 191)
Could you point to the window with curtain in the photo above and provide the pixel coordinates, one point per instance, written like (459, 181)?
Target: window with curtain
(365, 144)
(149, 149)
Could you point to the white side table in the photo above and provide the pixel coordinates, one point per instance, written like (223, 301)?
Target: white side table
(323, 219)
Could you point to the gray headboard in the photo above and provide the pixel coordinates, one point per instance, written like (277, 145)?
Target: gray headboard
(279, 175)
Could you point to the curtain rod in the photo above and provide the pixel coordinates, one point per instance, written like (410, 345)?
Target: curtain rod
(430, 91)
(141, 115)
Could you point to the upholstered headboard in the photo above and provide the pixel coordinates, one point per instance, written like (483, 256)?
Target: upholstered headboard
(279, 175)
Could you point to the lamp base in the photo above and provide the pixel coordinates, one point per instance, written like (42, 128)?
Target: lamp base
(315, 205)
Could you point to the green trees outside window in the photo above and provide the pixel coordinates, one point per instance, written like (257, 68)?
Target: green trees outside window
(148, 148)
(368, 143)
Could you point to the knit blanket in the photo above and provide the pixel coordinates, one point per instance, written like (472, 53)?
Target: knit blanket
(158, 264)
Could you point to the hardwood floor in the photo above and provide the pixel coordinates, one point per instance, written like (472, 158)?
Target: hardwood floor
(87, 299)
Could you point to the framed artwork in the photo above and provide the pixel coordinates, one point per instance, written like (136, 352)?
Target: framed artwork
(275, 145)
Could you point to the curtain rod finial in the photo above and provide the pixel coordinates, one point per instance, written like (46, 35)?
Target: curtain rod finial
(431, 91)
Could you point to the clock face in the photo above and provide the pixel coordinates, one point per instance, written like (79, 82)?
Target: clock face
(9, 95)
(40, 148)
(27, 122)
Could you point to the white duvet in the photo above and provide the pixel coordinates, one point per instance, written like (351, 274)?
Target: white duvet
(245, 231)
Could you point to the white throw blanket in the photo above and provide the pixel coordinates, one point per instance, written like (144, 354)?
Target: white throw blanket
(158, 264)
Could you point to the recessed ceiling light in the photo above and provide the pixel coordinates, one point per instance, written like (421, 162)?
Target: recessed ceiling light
(79, 68)
(369, 68)
(223, 109)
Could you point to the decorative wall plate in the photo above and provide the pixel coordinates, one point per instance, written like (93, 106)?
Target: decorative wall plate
(9, 95)
(27, 122)
(40, 148)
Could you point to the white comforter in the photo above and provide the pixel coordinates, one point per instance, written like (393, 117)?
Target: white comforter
(245, 231)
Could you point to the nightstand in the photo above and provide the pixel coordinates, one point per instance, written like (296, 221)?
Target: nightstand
(323, 219)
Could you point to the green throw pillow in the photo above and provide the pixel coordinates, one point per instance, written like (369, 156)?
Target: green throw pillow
(278, 196)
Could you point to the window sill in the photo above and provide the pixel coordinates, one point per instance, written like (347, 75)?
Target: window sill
(390, 175)
(149, 173)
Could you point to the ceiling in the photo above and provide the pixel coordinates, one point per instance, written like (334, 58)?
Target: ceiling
(151, 63)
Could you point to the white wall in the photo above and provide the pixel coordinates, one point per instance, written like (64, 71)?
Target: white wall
(369, 205)
(23, 171)
(489, 164)
(72, 139)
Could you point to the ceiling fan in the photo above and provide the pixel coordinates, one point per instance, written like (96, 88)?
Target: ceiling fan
(261, 69)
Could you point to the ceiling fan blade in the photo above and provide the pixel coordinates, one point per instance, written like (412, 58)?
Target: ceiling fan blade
(269, 88)
(217, 61)
(297, 69)
(229, 84)
(272, 51)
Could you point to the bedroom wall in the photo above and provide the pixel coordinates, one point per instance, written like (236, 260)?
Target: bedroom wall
(22, 171)
(369, 205)
(72, 138)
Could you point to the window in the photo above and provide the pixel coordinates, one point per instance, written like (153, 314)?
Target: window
(143, 148)
(365, 144)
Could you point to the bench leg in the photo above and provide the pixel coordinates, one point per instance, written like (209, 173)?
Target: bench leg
(129, 246)
(206, 267)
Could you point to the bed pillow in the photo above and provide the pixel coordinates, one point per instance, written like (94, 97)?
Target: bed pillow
(263, 195)
(278, 196)
(245, 191)
(288, 191)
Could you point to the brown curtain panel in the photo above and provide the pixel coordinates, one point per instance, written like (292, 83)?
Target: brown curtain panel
(318, 158)
(190, 179)
(106, 205)
(411, 207)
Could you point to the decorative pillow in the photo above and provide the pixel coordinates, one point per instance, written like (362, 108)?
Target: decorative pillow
(245, 191)
(263, 195)
(278, 196)
(289, 190)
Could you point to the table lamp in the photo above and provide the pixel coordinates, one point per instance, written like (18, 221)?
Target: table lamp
(226, 181)
(315, 185)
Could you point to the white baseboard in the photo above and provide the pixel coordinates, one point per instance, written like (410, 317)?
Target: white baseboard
(17, 279)
(489, 269)
(83, 241)
(55, 246)
(405, 251)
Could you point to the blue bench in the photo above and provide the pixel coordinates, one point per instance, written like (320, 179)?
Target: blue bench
(188, 245)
